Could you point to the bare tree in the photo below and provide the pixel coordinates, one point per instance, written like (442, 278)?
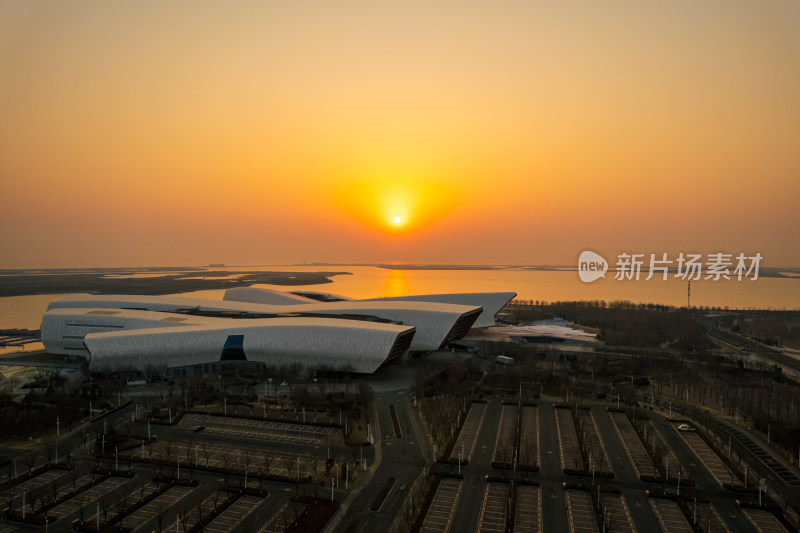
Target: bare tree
(81, 506)
(30, 460)
(168, 451)
(55, 488)
(288, 463)
(267, 464)
(74, 478)
(106, 502)
(189, 463)
(49, 450)
(206, 453)
(216, 497)
(66, 449)
(226, 459)
(122, 505)
(182, 512)
(247, 460)
(11, 385)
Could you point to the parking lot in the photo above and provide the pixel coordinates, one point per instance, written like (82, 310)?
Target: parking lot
(711, 460)
(494, 508)
(581, 513)
(469, 433)
(238, 458)
(440, 512)
(89, 495)
(506, 435)
(264, 430)
(528, 509)
(571, 457)
(707, 517)
(280, 521)
(40, 480)
(151, 510)
(670, 516)
(616, 513)
(634, 448)
(529, 437)
(234, 515)
(672, 466)
(202, 509)
(594, 444)
(764, 521)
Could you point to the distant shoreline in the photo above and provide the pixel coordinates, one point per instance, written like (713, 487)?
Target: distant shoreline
(175, 280)
(46, 281)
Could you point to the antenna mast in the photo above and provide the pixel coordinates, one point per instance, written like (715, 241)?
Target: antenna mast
(689, 295)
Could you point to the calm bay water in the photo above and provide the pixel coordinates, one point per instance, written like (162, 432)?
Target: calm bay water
(371, 282)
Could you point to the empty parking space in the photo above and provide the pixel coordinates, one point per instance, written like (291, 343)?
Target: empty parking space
(236, 458)
(440, 512)
(637, 454)
(203, 508)
(662, 451)
(469, 432)
(494, 508)
(707, 517)
(528, 509)
(616, 514)
(87, 497)
(595, 448)
(65, 507)
(40, 480)
(571, 457)
(581, 514)
(281, 520)
(529, 437)
(670, 516)
(764, 521)
(152, 509)
(44, 483)
(711, 460)
(234, 515)
(506, 435)
(264, 430)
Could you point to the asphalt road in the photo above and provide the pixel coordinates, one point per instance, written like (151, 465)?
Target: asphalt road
(402, 458)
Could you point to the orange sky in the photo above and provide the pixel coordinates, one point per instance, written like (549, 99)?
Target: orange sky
(514, 132)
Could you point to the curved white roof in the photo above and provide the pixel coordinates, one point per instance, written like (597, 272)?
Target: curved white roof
(120, 339)
(264, 296)
(491, 302)
(310, 343)
(436, 323)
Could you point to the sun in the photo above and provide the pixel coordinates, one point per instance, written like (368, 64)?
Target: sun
(397, 220)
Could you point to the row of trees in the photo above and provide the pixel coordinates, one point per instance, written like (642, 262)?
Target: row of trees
(622, 323)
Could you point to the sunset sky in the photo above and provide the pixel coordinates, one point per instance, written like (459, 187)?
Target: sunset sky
(138, 133)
